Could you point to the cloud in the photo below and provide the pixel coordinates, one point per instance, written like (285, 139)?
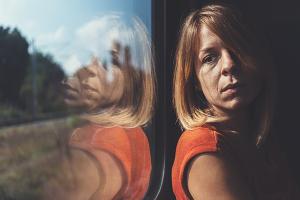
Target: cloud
(59, 36)
(10, 11)
(75, 48)
(97, 35)
(71, 64)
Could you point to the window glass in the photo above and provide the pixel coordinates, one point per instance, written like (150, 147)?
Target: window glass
(77, 91)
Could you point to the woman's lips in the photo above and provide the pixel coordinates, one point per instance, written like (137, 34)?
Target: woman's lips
(232, 88)
(231, 91)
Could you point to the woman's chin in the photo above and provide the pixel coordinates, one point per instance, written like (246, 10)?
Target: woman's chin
(235, 105)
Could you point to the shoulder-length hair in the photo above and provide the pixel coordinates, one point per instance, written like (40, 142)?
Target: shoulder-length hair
(133, 64)
(245, 42)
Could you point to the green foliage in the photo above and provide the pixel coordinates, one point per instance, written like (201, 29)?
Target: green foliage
(74, 121)
(21, 72)
(14, 60)
(10, 112)
(48, 77)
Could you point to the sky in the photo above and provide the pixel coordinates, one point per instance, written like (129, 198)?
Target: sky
(70, 30)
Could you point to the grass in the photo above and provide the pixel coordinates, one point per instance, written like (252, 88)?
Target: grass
(30, 155)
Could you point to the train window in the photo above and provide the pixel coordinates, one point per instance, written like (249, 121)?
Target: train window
(77, 93)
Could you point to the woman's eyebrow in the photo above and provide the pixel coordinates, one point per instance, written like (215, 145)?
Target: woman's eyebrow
(206, 49)
(211, 45)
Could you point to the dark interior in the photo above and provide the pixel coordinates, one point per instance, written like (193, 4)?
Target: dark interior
(281, 20)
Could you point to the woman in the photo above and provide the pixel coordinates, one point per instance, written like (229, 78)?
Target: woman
(224, 97)
(118, 99)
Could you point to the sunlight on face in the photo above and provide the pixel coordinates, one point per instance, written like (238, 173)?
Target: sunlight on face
(224, 82)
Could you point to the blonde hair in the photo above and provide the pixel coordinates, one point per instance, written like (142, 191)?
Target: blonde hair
(133, 78)
(240, 38)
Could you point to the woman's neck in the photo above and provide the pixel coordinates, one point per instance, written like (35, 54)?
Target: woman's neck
(237, 121)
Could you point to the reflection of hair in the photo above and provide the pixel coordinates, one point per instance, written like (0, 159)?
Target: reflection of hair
(240, 38)
(133, 76)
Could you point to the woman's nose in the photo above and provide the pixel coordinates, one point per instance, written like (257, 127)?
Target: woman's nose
(228, 64)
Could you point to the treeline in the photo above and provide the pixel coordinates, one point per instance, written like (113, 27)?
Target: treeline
(30, 83)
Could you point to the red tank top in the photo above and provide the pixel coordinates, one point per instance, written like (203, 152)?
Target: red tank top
(129, 146)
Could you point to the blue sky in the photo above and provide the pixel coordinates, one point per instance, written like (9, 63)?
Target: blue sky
(64, 28)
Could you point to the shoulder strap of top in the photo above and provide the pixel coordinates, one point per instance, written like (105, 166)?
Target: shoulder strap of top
(190, 144)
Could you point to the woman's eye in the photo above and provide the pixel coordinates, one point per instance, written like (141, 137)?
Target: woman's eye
(90, 72)
(209, 58)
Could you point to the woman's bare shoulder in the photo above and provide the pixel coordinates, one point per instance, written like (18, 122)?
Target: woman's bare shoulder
(212, 176)
(96, 176)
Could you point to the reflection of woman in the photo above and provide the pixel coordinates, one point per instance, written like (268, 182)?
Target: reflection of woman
(223, 94)
(119, 101)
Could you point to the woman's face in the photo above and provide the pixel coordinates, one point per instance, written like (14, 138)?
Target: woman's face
(228, 88)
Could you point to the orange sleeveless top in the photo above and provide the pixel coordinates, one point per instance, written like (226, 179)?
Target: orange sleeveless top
(190, 144)
(269, 181)
(129, 146)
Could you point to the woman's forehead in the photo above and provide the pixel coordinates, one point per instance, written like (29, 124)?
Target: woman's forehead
(208, 39)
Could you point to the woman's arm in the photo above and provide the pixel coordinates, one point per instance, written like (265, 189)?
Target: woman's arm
(83, 177)
(211, 177)
(103, 172)
(111, 177)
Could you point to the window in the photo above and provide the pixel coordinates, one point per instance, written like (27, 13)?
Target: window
(94, 56)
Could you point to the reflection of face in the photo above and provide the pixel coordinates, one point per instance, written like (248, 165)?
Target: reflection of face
(72, 91)
(225, 84)
(90, 88)
(92, 79)
(84, 88)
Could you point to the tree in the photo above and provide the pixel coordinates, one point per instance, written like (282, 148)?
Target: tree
(48, 85)
(14, 60)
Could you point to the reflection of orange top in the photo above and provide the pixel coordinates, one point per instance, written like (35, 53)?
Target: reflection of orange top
(129, 146)
(269, 181)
